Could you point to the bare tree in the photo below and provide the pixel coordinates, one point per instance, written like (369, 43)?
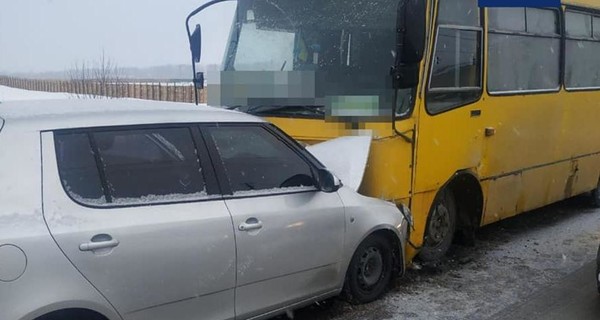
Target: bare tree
(79, 75)
(108, 75)
(103, 79)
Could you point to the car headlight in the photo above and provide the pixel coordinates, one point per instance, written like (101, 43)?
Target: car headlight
(407, 215)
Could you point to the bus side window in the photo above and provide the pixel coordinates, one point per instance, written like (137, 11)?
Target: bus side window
(455, 78)
(523, 50)
(582, 47)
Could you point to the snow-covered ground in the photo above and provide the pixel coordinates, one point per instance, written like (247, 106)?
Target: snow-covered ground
(511, 260)
(13, 94)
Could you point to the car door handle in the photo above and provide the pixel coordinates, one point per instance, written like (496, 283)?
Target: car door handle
(250, 224)
(99, 241)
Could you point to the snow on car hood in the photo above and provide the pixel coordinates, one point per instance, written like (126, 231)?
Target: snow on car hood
(346, 157)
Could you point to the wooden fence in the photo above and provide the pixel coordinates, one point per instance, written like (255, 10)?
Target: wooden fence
(162, 91)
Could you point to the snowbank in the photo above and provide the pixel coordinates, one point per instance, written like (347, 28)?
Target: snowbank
(13, 94)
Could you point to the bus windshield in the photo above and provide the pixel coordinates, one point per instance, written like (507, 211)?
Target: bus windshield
(311, 53)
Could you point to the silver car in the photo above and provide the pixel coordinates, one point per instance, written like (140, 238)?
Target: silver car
(142, 210)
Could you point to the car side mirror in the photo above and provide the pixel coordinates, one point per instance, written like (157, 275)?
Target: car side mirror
(328, 182)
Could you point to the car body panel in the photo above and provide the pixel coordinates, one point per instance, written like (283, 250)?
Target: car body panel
(168, 255)
(370, 215)
(49, 281)
(69, 114)
(349, 169)
(159, 269)
(295, 255)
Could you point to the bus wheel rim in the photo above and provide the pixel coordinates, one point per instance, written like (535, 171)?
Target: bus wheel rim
(439, 226)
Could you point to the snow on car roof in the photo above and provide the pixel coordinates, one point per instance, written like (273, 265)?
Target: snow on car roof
(78, 113)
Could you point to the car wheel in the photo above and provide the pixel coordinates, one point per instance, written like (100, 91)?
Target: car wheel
(440, 228)
(370, 272)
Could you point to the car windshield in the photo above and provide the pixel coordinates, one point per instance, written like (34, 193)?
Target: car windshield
(309, 53)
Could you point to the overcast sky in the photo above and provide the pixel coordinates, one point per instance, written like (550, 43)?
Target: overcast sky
(53, 35)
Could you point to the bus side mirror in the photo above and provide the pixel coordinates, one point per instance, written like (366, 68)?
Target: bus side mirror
(196, 44)
(410, 43)
(196, 49)
(199, 80)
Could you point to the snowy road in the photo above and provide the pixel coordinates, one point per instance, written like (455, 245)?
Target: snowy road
(513, 262)
(573, 297)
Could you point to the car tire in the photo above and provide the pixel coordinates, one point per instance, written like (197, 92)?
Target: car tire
(440, 228)
(370, 272)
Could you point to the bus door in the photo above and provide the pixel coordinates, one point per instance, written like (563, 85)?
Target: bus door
(451, 127)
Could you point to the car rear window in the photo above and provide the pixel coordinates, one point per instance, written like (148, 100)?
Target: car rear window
(77, 168)
(129, 167)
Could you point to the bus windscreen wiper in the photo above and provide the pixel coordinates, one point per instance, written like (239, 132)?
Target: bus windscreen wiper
(279, 109)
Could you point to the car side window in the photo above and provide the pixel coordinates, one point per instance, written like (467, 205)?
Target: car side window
(150, 165)
(257, 162)
(77, 168)
(133, 166)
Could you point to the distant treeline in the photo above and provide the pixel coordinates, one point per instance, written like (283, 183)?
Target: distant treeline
(146, 89)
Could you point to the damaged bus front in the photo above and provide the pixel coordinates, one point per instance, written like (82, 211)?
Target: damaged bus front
(321, 70)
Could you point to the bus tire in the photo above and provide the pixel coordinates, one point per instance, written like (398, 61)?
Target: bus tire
(440, 228)
(596, 197)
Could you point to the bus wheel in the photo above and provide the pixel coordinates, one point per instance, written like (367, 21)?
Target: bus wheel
(596, 197)
(440, 228)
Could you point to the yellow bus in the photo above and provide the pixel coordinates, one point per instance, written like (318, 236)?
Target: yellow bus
(476, 115)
